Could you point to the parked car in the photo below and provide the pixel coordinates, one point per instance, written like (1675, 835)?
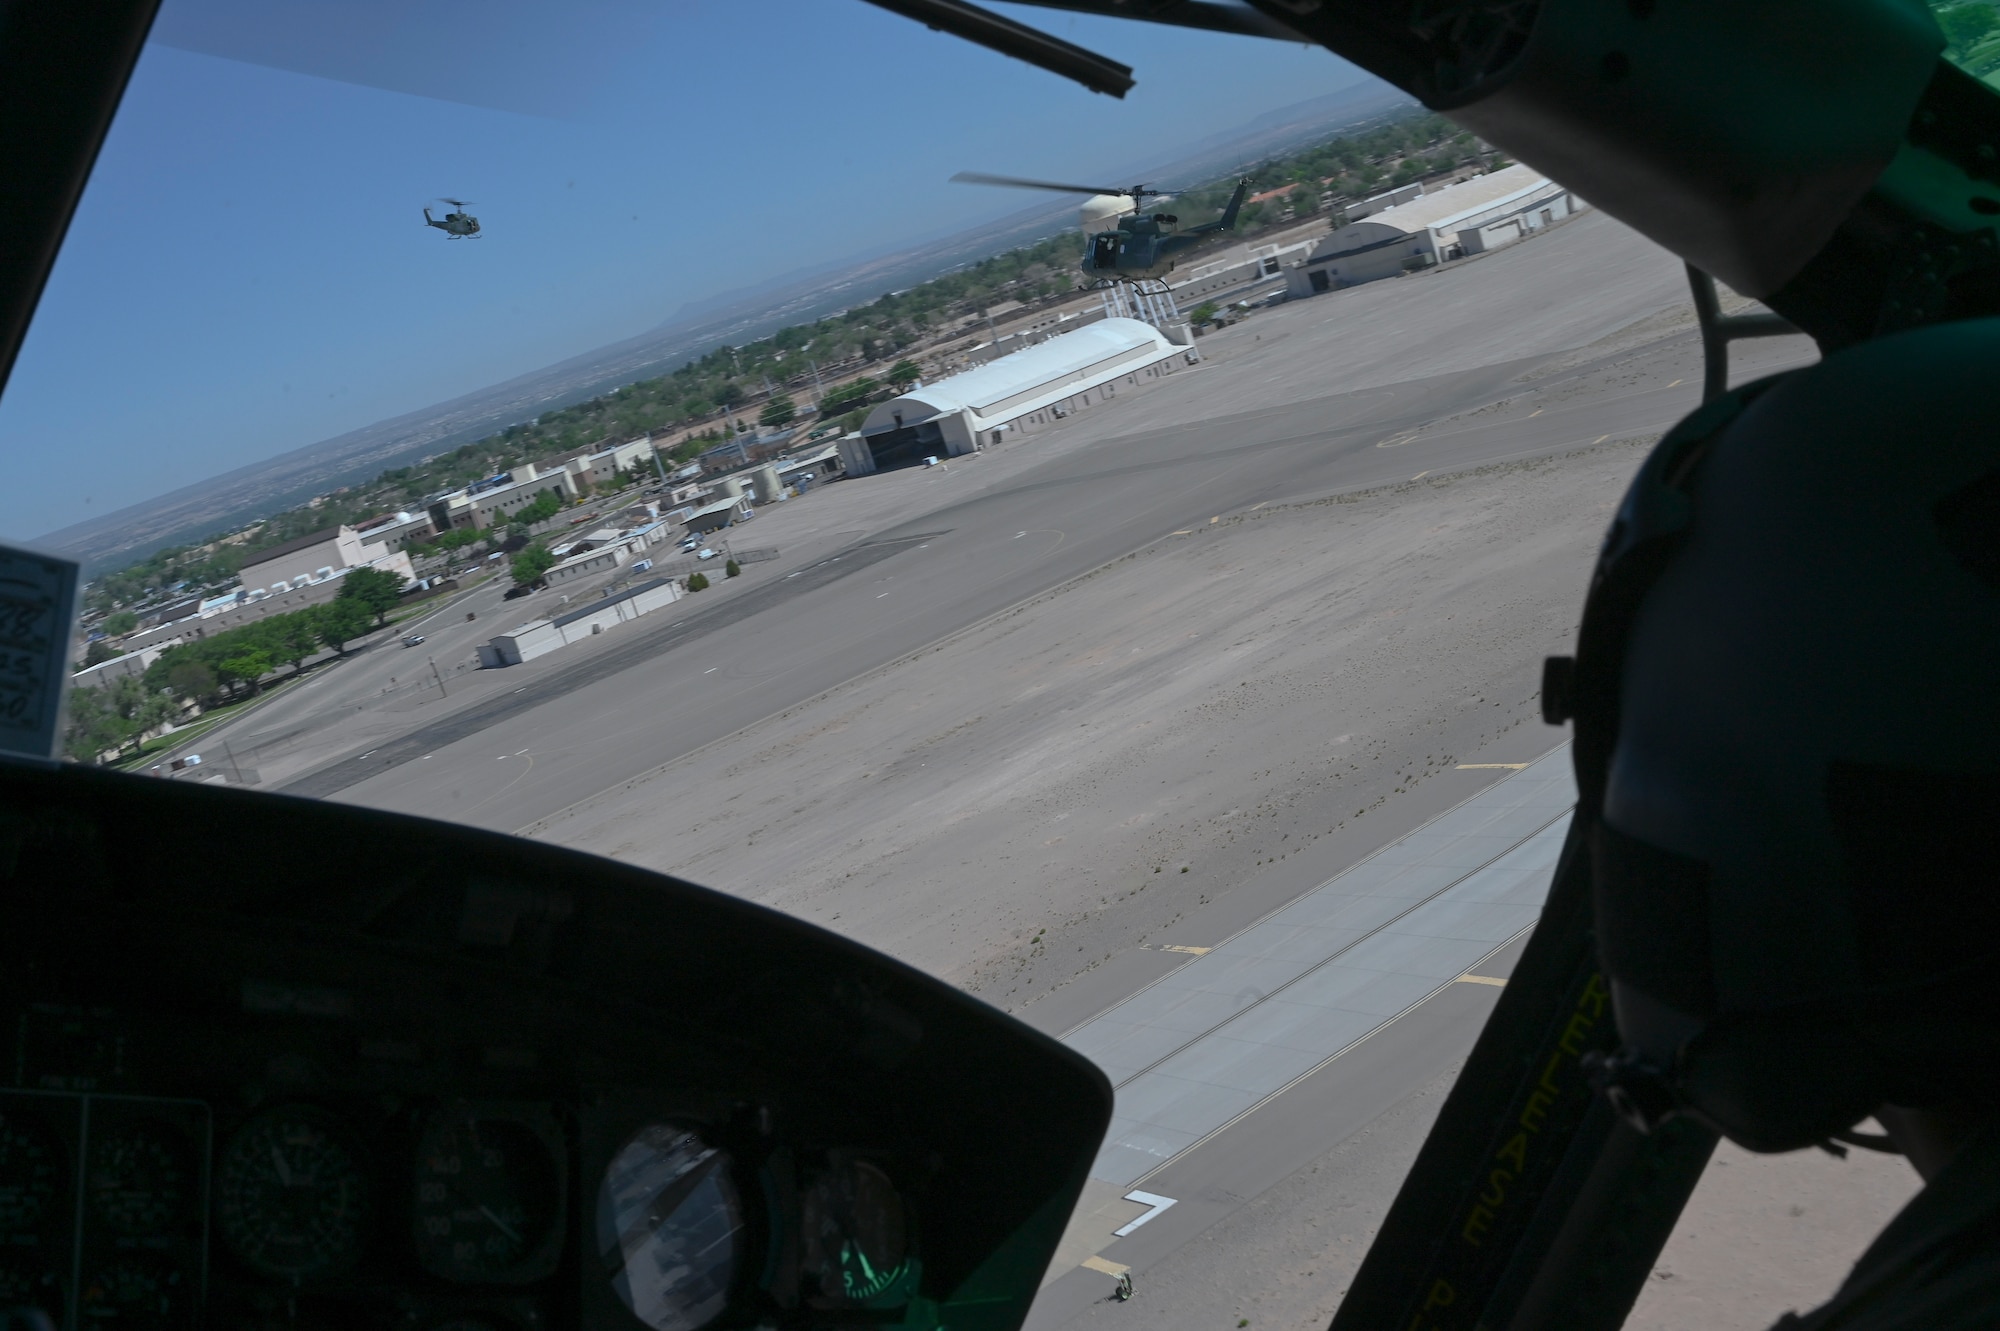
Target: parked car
(704, 553)
(413, 640)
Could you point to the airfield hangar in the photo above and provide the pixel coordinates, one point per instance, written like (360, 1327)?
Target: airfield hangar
(1421, 230)
(1023, 392)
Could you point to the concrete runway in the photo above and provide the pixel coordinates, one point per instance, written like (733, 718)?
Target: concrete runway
(671, 688)
(1242, 1065)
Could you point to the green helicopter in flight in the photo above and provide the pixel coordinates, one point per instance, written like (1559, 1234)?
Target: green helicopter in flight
(1141, 246)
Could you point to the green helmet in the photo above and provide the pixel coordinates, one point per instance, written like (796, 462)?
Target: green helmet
(1787, 705)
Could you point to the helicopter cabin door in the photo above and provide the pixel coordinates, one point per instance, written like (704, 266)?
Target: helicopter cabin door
(1104, 249)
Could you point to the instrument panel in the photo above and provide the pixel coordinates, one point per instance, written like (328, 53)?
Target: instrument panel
(430, 1078)
(165, 1212)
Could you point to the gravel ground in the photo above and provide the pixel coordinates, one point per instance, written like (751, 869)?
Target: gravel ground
(1013, 804)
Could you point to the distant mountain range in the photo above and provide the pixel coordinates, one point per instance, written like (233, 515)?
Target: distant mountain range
(224, 502)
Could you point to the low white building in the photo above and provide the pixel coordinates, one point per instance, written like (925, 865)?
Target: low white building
(1470, 217)
(118, 667)
(600, 551)
(1023, 391)
(548, 635)
(311, 559)
(724, 512)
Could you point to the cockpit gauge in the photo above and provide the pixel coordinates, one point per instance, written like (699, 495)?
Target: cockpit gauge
(293, 1195)
(489, 1194)
(670, 1227)
(858, 1247)
(30, 1175)
(136, 1290)
(139, 1180)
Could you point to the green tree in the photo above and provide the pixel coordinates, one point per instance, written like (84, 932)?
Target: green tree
(530, 563)
(296, 638)
(1203, 312)
(94, 727)
(545, 506)
(98, 653)
(340, 622)
(194, 679)
(730, 394)
(904, 373)
(120, 622)
(246, 667)
(731, 569)
(372, 587)
(780, 410)
(697, 582)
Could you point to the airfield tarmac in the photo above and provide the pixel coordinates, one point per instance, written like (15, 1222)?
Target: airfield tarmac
(1254, 624)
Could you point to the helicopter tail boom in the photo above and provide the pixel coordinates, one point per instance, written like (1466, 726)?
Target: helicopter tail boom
(1226, 222)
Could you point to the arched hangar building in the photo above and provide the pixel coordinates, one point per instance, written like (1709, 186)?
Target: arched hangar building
(1022, 391)
(1426, 229)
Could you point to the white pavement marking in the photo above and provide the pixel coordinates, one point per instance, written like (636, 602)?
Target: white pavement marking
(1153, 1200)
(1204, 1045)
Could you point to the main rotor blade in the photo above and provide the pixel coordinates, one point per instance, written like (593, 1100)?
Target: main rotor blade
(1204, 14)
(1015, 182)
(960, 18)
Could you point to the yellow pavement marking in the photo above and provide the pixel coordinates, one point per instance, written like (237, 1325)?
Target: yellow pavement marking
(1536, 412)
(1482, 979)
(1191, 951)
(1675, 384)
(1491, 767)
(1212, 521)
(1185, 531)
(1420, 475)
(1108, 1268)
(1600, 439)
(1255, 507)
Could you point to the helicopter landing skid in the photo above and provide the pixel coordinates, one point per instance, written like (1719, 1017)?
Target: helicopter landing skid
(1147, 299)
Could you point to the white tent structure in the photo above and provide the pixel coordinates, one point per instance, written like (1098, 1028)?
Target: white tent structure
(1028, 388)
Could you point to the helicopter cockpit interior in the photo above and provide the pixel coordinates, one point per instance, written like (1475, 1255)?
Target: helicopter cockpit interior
(463, 1082)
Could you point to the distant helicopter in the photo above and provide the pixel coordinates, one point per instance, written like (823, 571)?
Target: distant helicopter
(1144, 245)
(457, 225)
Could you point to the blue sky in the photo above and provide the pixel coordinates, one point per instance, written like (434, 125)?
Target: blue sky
(249, 273)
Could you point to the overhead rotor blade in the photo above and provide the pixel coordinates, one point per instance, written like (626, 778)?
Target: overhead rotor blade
(1203, 14)
(1015, 182)
(961, 18)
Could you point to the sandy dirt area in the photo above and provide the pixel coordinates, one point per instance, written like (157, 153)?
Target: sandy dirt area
(1014, 803)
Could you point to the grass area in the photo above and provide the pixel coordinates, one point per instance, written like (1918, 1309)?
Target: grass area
(194, 730)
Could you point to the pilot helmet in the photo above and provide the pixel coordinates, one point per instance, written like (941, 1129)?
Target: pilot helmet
(1787, 704)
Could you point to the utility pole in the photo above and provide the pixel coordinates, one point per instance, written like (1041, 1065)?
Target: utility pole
(439, 678)
(819, 389)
